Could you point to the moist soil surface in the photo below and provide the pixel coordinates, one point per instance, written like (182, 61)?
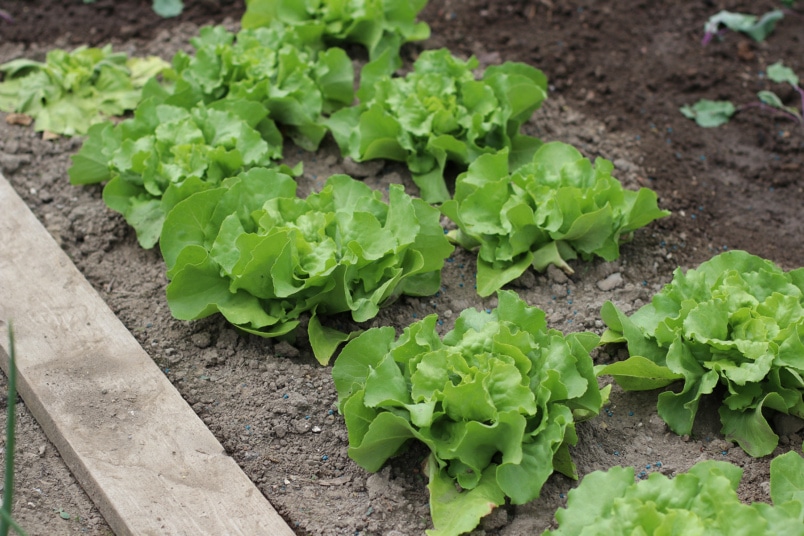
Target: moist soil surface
(618, 70)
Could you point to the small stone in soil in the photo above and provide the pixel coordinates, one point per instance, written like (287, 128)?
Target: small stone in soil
(201, 340)
(285, 349)
(611, 282)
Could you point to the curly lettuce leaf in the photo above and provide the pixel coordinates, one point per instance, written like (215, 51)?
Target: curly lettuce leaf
(253, 251)
(554, 208)
(166, 153)
(495, 400)
(279, 67)
(438, 113)
(736, 321)
(71, 91)
(701, 501)
(381, 26)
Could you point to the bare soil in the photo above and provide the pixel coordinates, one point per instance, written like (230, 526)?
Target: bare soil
(619, 70)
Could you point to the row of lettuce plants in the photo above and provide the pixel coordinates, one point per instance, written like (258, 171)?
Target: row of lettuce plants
(702, 500)
(218, 113)
(196, 169)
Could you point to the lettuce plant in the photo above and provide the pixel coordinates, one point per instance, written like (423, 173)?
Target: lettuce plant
(701, 501)
(214, 116)
(72, 91)
(278, 67)
(495, 401)
(382, 26)
(253, 251)
(552, 209)
(440, 112)
(167, 152)
(737, 323)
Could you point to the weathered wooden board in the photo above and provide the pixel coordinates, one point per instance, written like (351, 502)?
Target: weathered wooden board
(140, 452)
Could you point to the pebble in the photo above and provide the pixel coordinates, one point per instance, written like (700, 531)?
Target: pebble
(285, 349)
(362, 169)
(556, 275)
(624, 165)
(527, 280)
(497, 519)
(611, 282)
(9, 163)
(201, 340)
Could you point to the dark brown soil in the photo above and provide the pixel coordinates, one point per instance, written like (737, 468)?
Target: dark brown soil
(632, 64)
(619, 71)
(75, 22)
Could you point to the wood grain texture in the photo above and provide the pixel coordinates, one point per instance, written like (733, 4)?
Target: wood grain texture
(143, 456)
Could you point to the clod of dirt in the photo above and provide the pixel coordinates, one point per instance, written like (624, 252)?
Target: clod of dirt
(611, 282)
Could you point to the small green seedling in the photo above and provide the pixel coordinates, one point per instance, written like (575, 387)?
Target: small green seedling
(758, 28)
(708, 113)
(62, 513)
(164, 8)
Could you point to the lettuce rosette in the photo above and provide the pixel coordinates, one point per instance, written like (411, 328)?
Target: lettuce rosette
(495, 401)
(166, 152)
(732, 328)
(554, 208)
(382, 26)
(438, 113)
(702, 500)
(71, 91)
(279, 67)
(259, 255)
(214, 115)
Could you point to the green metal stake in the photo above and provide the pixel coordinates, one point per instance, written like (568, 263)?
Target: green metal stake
(8, 491)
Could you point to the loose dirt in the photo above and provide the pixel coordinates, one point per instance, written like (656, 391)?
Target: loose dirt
(619, 71)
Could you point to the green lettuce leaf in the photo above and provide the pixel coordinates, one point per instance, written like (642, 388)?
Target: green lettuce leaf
(166, 153)
(280, 67)
(554, 208)
(381, 26)
(253, 251)
(495, 401)
(701, 501)
(71, 91)
(787, 479)
(440, 113)
(735, 321)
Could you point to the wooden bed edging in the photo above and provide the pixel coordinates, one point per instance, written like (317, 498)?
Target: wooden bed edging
(146, 460)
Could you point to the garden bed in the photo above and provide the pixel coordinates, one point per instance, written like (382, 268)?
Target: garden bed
(618, 72)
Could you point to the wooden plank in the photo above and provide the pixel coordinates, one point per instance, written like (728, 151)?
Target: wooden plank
(140, 452)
